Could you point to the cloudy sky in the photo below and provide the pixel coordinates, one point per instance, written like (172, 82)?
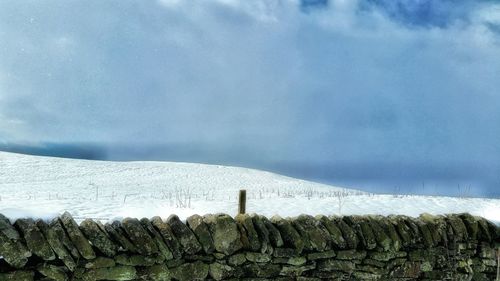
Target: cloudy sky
(343, 91)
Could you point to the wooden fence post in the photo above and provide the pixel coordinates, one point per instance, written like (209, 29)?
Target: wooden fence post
(242, 201)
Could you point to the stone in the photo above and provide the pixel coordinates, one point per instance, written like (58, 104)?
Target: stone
(258, 257)
(184, 235)
(58, 229)
(135, 260)
(168, 236)
(117, 234)
(337, 239)
(158, 239)
(274, 234)
(458, 226)
(263, 234)
(284, 252)
(426, 234)
(219, 271)
(14, 252)
(391, 231)
(159, 272)
(296, 260)
(348, 233)
(98, 238)
(363, 229)
(262, 270)
(249, 236)
(472, 225)
(381, 236)
(407, 270)
(120, 272)
(237, 259)
(53, 272)
(290, 236)
(35, 240)
(100, 262)
(295, 271)
(386, 256)
(139, 236)
(21, 275)
(200, 229)
(190, 271)
(224, 233)
(336, 265)
(7, 229)
(317, 235)
(76, 236)
(322, 255)
(57, 246)
(351, 255)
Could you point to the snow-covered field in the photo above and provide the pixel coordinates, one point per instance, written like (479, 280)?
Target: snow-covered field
(43, 187)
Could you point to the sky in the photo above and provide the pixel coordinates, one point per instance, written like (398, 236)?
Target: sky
(378, 94)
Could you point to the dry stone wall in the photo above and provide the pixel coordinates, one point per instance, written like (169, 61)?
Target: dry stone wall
(251, 247)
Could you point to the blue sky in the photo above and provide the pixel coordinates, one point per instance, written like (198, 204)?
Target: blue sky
(338, 91)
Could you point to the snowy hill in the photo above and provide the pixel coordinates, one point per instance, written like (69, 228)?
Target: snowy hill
(44, 186)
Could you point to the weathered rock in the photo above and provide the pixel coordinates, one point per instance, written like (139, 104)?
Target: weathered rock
(139, 236)
(364, 230)
(14, 252)
(237, 259)
(274, 234)
(351, 255)
(391, 231)
(317, 235)
(184, 235)
(35, 239)
(20, 275)
(76, 236)
(426, 233)
(458, 226)
(337, 239)
(261, 270)
(322, 255)
(56, 226)
(200, 229)
(57, 246)
(98, 238)
(296, 271)
(403, 230)
(219, 271)
(249, 236)
(289, 234)
(263, 234)
(472, 225)
(53, 272)
(386, 256)
(348, 233)
(99, 262)
(7, 229)
(296, 260)
(257, 257)
(158, 239)
(190, 271)
(117, 234)
(336, 265)
(121, 272)
(224, 233)
(159, 272)
(168, 236)
(135, 260)
(381, 236)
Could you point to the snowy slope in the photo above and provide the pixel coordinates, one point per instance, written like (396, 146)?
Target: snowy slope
(44, 186)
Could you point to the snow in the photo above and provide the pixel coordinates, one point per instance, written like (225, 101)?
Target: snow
(43, 187)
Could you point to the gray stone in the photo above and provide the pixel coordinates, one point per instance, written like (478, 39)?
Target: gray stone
(159, 272)
(121, 272)
(53, 272)
(289, 234)
(21, 275)
(135, 260)
(200, 229)
(274, 234)
(337, 239)
(219, 271)
(249, 236)
(184, 235)
(100, 262)
(261, 270)
(295, 271)
(98, 238)
(139, 236)
(382, 238)
(76, 236)
(321, 255)
(317, 236)
(351, 255)
(190, 271)
(14, 252)
(263, 234)
(117, 234)
(158, 239)
(57, 227)
(168, 236)
(224, 233)
(363, 229)
(336, 265)
(237, 259)
(7, 229)
(35, 239)
(57, 245)
(348, 233)
(258, 257)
